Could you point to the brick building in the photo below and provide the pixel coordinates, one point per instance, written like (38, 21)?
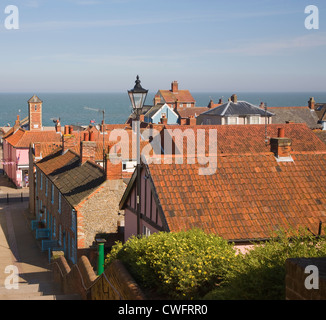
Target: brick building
(76, 200)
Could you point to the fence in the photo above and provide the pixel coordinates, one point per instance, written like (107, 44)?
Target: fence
(13, 197)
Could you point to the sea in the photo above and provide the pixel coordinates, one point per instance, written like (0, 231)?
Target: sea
(84, 108)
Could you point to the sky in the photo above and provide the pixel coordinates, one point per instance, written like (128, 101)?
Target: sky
(207, 46)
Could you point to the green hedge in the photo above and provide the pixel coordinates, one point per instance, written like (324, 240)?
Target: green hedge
(195, 265)
(260, 273)
(183, 265)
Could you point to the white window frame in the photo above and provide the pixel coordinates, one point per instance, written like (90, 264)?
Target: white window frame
(146, 231)
(235, 118)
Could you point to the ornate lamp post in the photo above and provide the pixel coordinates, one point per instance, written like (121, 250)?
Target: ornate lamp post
(137, 97)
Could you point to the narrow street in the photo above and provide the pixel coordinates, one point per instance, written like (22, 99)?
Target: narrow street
(24, 269)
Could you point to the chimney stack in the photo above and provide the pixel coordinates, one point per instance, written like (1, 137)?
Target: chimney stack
(58, 126)
(211, 104)
(234, 98)
(311, 103)
(191, 121)
(17, 123)
(37, 150)
(174, 86)
(164, 120)
(157, 99)
(69, 141)
(113, 167)
(281, 146)
(87, 151)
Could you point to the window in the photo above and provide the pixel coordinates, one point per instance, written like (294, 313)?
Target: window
(35, 107)
(41, 181)
(52, 193)
(254, 120)
(59, 202)
(146, 231)
(54, 228)
(73, 248)
(60, 236)
(188, 105)
(46, 187)
(232, 120)
(181, 105)
(73, 220)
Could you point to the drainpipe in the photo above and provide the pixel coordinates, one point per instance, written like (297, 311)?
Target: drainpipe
(100, 257)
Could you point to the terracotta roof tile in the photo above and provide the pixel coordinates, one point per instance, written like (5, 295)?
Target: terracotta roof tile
(248, 204)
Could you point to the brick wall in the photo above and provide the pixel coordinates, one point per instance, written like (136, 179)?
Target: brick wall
(100, 213)
(296, 277)
(114, 284)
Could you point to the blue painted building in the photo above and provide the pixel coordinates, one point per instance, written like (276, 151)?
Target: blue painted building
(159, 112)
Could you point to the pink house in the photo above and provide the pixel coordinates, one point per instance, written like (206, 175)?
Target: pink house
(16, 152)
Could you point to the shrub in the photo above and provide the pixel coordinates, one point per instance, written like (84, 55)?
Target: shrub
(260, 273)
(183, 265)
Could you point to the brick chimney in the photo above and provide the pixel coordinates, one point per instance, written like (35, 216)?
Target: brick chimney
(164, 120)
(69, 140)
(87, 151)
(234, 98)
(58, 127)
(174, 86)
(191, 121)
(37, 150)
(211, 104)
(311, 103)
(113, 167)
(281, 146)
(17, 123)
(157, 99)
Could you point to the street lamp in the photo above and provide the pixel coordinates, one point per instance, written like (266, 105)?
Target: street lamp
(137, 97)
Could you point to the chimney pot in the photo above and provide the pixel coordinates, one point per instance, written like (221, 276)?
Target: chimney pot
(281, 133)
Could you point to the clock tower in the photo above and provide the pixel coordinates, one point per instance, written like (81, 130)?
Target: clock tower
(35, 113)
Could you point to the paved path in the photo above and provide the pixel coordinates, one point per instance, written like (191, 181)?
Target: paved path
(20, 252)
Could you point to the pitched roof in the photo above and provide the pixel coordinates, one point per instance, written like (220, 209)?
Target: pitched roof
(34, 99)
(194, 111)
(240, 108)
(295, 114)
(74, 181)
(182, 96)
(23, 139)
(247, 198)
(247, 138)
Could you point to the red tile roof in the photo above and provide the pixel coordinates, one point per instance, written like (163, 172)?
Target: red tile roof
(23, 139)
(250, 138)
(182, 96)
(248, 198)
